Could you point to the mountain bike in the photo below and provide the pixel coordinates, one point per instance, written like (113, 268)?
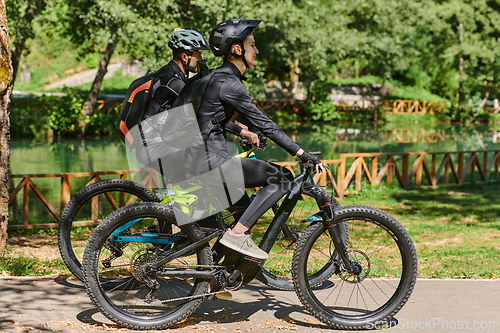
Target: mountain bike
(144, 270)
(96, 201)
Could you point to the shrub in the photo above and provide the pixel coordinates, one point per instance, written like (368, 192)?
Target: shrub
(64, 116)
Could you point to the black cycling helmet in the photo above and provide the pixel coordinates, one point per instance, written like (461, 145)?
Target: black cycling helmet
(226, 33)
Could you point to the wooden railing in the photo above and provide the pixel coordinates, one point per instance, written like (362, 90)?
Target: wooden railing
(349, 173)
(26, 184)
(356, 105)
(278, 104)
(409, 169)
(404, 106)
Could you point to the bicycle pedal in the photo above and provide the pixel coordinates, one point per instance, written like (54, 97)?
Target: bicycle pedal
(224, 295)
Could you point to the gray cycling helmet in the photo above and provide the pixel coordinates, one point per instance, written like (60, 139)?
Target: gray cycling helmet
(187, 40)
(226, 33)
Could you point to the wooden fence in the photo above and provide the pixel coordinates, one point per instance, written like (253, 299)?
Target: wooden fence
(444, 168)
(278, 104)
(348, 173)
(404, 106)
(26, 184)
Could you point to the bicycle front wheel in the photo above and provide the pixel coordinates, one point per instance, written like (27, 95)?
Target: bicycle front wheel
(385, 254)
(120, 279)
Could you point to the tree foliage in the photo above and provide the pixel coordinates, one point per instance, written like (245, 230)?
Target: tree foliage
(416, 43)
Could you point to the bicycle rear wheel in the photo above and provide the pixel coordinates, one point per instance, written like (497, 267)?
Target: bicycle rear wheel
(276, 271)
(87, 208)
(117, 261)
(380, 247)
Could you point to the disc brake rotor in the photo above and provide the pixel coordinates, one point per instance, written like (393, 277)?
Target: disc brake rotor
(359, 259)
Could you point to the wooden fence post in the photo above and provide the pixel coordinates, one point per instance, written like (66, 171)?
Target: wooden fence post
(341, 176)
(65, 191)
(26, 202)
(485, 163)
(447, 167)
(404, 171)
(374, 168)
(359, 173)
(433, 170)
(461, 168)
(418, 179)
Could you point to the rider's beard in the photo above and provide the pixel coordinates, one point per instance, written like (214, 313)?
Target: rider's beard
(193, 69)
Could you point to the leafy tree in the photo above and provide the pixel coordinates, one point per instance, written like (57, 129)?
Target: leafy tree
(5, 91)
(294, 33)
(460, 43)
(383, 34)
(105, 24)
(21, 29)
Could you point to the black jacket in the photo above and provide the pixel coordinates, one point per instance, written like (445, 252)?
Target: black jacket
(226, 92)
(166, 89)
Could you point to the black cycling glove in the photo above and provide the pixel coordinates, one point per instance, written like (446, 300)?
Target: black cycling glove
(307, 158)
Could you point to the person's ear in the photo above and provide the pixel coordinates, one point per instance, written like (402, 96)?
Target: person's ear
(184, 57)
(237, 49)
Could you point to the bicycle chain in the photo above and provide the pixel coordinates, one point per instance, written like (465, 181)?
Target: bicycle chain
(195, 296)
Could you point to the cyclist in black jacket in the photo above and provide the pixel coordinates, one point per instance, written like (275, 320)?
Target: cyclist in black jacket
(225, 92)
(187, 46)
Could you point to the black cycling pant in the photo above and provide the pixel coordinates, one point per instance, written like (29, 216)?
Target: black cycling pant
(274, 179)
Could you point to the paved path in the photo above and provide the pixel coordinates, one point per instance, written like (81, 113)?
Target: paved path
(82, 77)
(62, 305)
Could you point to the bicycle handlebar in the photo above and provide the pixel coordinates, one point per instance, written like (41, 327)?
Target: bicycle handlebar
(252, 147)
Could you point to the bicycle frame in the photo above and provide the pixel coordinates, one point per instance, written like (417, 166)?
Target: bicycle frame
(302, 181)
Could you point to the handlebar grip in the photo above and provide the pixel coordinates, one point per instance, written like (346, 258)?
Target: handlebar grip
(317, 153)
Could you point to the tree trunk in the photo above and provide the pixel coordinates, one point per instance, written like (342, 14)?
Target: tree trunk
(33, 9)
(461, 68)
(88, 106)
(294, 77)
(5, 91)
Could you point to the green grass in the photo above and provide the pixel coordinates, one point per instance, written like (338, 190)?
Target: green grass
(367, 79)
(32, 231)
(456, 230)
(21, 265)
(416, 93)
(117, 84)
(416, 120)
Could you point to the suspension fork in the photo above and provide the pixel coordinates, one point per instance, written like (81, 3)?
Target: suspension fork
(333, 228)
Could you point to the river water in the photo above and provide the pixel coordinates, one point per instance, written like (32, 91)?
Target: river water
(108, 154)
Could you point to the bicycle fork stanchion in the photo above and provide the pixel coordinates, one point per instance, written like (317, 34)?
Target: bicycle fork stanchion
(333, 228)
